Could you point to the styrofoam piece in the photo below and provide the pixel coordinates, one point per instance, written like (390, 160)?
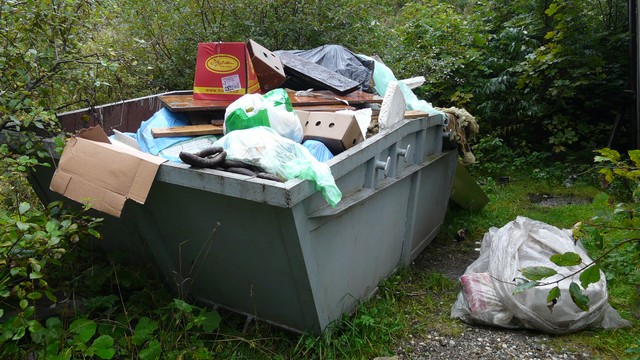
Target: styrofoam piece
(392, 107)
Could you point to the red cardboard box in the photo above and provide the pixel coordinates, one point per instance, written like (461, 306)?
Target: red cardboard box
(224, 71)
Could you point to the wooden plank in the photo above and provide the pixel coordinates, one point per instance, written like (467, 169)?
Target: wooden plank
(189, 130)
(315, 74)
(415, 114)
(186, 102)
(328, 108)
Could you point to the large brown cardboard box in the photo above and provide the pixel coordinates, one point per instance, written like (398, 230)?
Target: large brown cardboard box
(338, 132)
(95, 172)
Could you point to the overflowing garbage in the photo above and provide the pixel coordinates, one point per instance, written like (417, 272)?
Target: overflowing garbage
(318, 102)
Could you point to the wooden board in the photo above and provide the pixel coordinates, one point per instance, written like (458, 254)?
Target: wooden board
(189, 130)
(315, 74)
(327, 108)
(186, 102)
(415, 114)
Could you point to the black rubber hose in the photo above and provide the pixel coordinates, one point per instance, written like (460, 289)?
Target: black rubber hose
(203, 162)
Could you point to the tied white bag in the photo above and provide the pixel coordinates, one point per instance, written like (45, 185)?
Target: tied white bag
(525, 243)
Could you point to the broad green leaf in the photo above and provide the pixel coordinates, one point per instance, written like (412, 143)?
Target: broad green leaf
(524, 286)
(53, 241)
(152, 351)
(24, 207)
(578, 297)
(554, 294)
(19, 333)
(212, 321)
(94, 233)
(35, 275)
(51, 226)
(1, 313)
(24, 303)
(590, 275)
(608, 174)
(609, 153)
(182, 305)
(144, 330)
(634, 155)
(537, 272)
(566, 259)
(103, 347)
(35, 295)
(84, 328)
(22, 226)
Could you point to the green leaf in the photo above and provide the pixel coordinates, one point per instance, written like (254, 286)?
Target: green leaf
(537, 272)
(634, 155)
(554, 294)
(94, 233)
(1, 313)
(22, 226)
(103, 347)
(524, 286)
(35, 295)
(84, 328)
(51, 226)
(566, 259)
(182, 305)
(578, 297)
(212, 321)
(144, 330)
(24, 207)
(35, 275)
(613, 155)
(152, 351)
(24, 303)
(590, 275)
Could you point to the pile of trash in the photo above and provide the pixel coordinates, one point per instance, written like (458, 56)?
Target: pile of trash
(285, 113)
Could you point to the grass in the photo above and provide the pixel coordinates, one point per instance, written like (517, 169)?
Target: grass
(409, 303)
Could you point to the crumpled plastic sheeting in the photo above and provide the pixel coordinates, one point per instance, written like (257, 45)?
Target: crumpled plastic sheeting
(262, 146)
(341, 60)
(487, 297)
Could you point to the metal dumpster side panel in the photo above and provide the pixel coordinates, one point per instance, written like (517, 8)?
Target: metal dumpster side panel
(430, 197)
(350, 254)
(251, 264)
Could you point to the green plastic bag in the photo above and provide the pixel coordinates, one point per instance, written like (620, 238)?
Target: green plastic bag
(272, 109)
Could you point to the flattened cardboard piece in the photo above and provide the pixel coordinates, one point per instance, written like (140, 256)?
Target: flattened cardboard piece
(338, 132)
(267, 65)
(224, 72)
(104, 175)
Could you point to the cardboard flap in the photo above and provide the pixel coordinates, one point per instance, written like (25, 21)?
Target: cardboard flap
(104, 175)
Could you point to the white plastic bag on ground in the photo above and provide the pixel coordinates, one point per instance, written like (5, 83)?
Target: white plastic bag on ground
(487, 296)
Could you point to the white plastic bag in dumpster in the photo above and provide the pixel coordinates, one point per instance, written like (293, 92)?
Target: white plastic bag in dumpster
(487, 296)
(262, 146)
(272, 109)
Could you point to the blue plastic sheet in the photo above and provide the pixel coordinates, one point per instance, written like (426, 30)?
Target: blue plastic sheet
(318, 150)
(162, 118)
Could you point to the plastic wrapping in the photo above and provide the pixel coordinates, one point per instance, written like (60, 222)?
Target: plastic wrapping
(272, 109)
(488, 298)
(318, 150)
(339, 59)
(263, 147)
(161, 119)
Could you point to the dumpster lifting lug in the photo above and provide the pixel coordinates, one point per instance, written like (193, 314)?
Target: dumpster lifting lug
(383, 165)
(406, 153)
